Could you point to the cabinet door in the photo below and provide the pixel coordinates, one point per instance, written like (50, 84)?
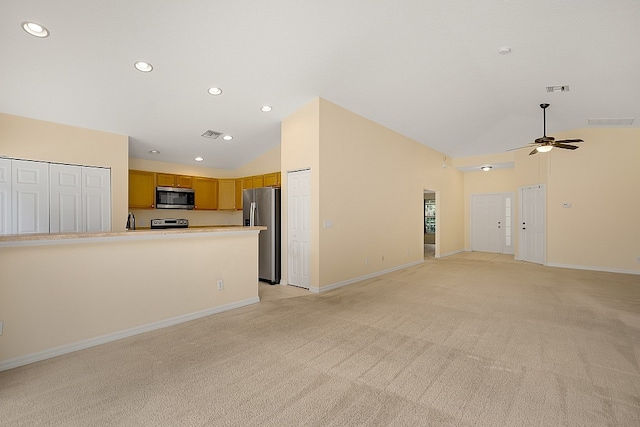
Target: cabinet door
(271, 180)
(258, 181)
(5, 196)
(206, 190)
(141, 189)
(96, 199)
(247, 182)
(29, 197)
(184, 181)
(239, 194)
(65, 213)
(165, 180)
(227, 194)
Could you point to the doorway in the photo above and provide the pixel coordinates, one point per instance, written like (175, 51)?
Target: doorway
(429, 230)
(298, 228)
(492, 223)
(532, 224)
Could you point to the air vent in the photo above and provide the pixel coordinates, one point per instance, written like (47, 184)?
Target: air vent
(211, 134)
(610, 122)
(564, 88)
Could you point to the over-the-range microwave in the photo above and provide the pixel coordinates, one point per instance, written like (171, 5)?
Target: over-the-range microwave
(175, 198)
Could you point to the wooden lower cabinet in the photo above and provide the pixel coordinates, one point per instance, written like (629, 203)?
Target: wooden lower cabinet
(142, 189)
(206, 190)
(226, 194)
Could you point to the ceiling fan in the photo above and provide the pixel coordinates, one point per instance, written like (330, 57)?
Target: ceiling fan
(546, 143)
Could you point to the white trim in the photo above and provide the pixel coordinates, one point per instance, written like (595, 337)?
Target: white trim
(317, 290)
(452, 253)
(593, 268)
(92, 342)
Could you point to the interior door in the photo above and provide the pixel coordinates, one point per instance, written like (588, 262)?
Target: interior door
(486, 222)
(30, 196)
(532, 224)
(66, 199)
(96, 196)
(298, 228)
(5, 196)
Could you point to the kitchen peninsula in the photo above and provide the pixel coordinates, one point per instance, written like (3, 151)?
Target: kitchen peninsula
(63, 292)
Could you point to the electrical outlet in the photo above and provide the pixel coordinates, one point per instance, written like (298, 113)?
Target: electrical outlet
(220, 284)
(366, 261)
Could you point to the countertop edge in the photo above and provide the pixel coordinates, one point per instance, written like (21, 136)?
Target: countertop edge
(62, 238)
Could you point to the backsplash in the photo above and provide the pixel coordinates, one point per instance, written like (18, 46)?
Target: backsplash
(195, 217)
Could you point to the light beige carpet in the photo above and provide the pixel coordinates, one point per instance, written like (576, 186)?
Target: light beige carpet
(455, 341)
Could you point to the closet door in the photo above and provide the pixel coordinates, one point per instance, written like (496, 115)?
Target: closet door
(96, 199)
(66, 199)
(29, 197)
(5, 196)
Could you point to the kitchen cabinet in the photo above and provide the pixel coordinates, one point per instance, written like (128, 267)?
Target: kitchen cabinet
(271, 180)
(171, 180)
(206, 190)
(80, 199)
(258, 181)
(247, 182)
(142, 187)
(226, 194)
(239, 194)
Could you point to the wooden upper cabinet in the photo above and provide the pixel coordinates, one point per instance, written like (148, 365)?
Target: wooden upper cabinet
(271, 180)
(258, 181)
(226, 194)
(206, 190)
(142, 189)
(171, 180)
(239, 194)
(247, 182)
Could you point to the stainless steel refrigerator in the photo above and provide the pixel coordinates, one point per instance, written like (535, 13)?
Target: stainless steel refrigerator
(261, 206)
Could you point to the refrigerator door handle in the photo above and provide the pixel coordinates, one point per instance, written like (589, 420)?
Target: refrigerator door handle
(252, 215)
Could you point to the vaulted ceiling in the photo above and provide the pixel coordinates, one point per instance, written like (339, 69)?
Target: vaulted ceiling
(428, 69)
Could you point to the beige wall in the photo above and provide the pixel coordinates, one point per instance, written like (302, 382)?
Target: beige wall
(300, 137)
(85, 290)
(31, 139)
(369, 182)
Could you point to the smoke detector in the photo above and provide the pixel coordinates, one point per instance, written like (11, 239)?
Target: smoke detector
(211, 134)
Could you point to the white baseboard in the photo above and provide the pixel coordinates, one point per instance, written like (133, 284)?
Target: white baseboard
(592, 268)
(92, 342)
(360, 278)
(451, 253)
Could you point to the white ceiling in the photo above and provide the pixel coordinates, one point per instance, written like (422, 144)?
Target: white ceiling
(428, 69)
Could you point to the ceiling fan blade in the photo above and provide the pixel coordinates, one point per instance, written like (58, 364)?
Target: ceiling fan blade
(517, 148)
(535, 150)
(569, 140)
(568, 147)
(544, 139)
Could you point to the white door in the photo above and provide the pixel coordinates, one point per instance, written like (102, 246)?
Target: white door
(486, 219)
(492, 223)
(65, 214)
(96, 199)
(532, 224)
(29, 197)
(5, 196)
(298, 229)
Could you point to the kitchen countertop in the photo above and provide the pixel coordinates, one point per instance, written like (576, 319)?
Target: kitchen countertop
(51, 238)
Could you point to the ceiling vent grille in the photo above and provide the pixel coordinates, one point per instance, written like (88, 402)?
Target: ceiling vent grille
(564, 88)
(610, 122)
(211, 134)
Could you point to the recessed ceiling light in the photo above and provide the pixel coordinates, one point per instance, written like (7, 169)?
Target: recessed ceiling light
(266, 108)
(227, 137)
(35, 29)
(199, 159)
(504, 50)
(154, 152)
(214, 91)
(486, 168)
(145, 67)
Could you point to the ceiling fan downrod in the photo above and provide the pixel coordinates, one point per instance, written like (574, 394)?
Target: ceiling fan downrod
(544, 119)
